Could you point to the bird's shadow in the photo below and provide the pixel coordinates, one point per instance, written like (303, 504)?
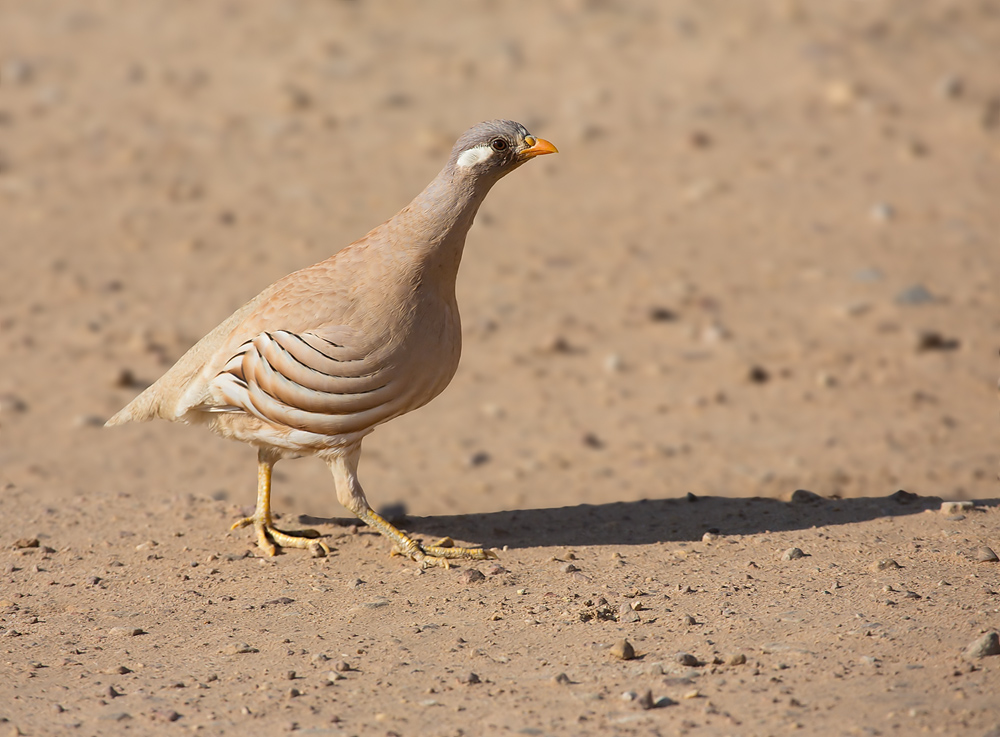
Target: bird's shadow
(656, 520)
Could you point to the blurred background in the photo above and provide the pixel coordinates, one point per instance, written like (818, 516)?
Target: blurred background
(766, 257)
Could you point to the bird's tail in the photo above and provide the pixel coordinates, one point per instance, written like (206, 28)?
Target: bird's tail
(141, 409)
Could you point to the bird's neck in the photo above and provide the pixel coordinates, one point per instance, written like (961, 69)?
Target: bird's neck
(436, 223)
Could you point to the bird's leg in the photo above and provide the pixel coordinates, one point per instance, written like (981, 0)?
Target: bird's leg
(267, 534)
(352, 496)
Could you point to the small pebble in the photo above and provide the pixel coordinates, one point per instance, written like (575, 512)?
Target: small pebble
(841, 94)
(802, 496)
(125, 631)
(319, 658)
(562, 679)
(626, 614)
(470, 679)
(886, 564)
(12, 403)
(334, 676)
(623, 650)
(662, 314)
(88, 421)
(26, 542)
(569, 568)
(164, 715)
(986, 555)
(646, 700)
(479, 458)
(557, 344)
(881, 212)
(688, 620)
(956, 507)
(932, 340)
(124, 378)
(988, 644)
(950, 87)
(496, 569)
(472, 575)
(343, 666)
(687, 659)
(289, 675)
(737, 659)
(239, 648)
(916, 294)
(793, 554)
(613, 363)
(292, 693)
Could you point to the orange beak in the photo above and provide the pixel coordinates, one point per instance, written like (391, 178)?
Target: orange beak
(536, 147)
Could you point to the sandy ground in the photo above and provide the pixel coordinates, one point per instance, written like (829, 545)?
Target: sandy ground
(766, 259)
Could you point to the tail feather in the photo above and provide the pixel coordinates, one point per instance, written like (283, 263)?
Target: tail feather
(141, 409)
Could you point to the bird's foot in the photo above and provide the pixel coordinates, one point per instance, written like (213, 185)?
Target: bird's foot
(441, 552)
(268, 537)
(427, 556)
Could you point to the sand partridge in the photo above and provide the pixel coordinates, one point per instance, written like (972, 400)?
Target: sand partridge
(317, 360)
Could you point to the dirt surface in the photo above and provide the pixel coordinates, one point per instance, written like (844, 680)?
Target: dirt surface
(766, 259)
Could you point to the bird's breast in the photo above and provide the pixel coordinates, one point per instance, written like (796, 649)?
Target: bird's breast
(429, 352)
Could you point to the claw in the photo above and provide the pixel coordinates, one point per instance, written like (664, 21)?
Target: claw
(269, 538)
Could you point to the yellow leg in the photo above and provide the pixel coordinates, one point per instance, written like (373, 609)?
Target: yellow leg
(344, 466)
(267, 534)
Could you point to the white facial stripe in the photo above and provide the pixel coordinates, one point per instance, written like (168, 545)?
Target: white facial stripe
(474, 156)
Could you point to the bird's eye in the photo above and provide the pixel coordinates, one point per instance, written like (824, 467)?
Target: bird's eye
(498, 144)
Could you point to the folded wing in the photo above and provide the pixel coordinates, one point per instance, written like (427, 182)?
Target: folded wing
(323, 381)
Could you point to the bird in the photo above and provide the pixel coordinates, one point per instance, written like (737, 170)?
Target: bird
(319, 359)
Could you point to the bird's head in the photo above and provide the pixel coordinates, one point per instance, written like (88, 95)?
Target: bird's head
(492, 149)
